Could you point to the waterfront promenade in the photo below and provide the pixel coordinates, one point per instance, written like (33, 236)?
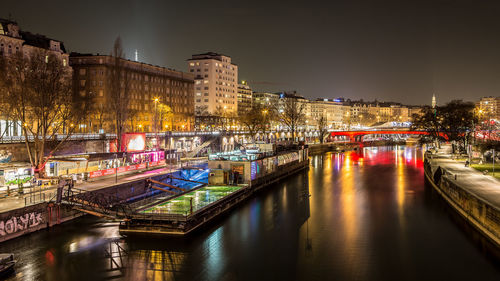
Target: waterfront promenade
(13, 202)
(484, 187)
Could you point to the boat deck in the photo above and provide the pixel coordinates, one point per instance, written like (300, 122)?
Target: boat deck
(193, 201)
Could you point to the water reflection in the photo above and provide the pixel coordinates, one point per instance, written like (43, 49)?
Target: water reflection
(358, 215)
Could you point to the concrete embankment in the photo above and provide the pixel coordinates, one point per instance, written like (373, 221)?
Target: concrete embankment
(24, 220)
(474, 196)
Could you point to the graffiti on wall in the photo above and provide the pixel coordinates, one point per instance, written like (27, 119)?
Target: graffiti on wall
(5, 156)
(20, 223)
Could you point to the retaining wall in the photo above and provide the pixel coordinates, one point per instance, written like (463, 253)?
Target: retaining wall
(482, 215)
(28, 219)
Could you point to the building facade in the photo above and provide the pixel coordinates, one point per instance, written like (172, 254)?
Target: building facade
(265, 99)
(216, 84)
(488, 108)
(333, 112)
(244, 98)
(13, 40)
(153, 92)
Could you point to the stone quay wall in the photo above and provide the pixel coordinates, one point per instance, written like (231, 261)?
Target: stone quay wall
(32, 218)
(482, 215)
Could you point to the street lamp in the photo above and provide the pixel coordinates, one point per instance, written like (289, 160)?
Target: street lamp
(156, 100)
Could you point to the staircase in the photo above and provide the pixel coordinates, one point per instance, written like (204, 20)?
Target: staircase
(199, 148)
(95, 204)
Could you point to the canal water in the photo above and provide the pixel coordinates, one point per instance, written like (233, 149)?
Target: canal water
(361, 215)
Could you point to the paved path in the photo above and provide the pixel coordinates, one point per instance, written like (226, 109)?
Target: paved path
(485, 187)
(19, 201)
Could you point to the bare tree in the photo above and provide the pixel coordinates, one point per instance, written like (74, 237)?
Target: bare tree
(132, 116)
(291, 114)
(367, 119)
(254, 120)
(38, 96)
(165, 116)
(322, 128)
(220, 115)
(118, 103)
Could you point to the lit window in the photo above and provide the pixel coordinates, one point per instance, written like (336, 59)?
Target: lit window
(64, 62)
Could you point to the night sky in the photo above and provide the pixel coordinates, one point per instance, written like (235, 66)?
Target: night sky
(386, 50)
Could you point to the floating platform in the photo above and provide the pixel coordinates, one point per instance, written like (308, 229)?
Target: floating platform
(190, 210)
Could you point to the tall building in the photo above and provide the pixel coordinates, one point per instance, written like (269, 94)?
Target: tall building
(331, 110)
(265, 99)
(244, 98)
(13, 41)
(216, 84)
(489, 108)
(433, 101)
(146, 83)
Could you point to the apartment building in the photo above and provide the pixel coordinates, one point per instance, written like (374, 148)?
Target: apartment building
(333, 112)
(151, 90)
(216, 84)
(13, 40)
(488, 108)
(244, 98)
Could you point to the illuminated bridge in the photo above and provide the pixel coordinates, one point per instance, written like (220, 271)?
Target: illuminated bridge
(357, 136)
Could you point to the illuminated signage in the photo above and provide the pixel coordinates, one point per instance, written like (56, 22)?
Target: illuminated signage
(133, 142)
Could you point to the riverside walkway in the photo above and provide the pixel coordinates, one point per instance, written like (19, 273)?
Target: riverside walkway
(484, 187)
(36, 196)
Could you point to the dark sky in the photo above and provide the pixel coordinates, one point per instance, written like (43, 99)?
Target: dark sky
(387, 50)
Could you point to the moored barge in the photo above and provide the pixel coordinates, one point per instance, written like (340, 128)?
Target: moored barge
(233, 177)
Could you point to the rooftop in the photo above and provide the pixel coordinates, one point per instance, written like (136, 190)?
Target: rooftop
(30, 39)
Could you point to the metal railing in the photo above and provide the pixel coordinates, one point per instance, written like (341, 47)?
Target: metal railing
(37, 198)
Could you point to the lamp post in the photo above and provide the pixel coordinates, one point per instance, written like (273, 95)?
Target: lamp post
(480, 111)
(116, 167)
(156, 100)
(493, 160)
(264, 112)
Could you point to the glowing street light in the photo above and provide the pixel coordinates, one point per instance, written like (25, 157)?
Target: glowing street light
(156, 100)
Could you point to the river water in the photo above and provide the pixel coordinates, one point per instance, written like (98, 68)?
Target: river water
(361, 215)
